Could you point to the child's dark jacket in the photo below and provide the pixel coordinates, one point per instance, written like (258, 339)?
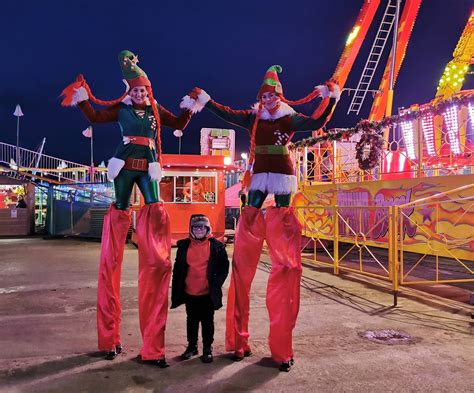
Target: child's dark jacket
(217, 271)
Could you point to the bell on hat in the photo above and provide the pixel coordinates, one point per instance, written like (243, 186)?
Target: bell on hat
(271, 82)
(132, 73)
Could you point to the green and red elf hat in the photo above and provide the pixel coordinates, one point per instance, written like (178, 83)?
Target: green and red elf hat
(131, 72)
(271, 82)
(133, 76)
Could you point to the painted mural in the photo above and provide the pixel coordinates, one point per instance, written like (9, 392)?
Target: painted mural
(443, 225)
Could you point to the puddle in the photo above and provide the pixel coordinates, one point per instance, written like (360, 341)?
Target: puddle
(388, 337)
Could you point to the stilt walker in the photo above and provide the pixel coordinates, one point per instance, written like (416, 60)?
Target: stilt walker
(271, 123)
(137, 161)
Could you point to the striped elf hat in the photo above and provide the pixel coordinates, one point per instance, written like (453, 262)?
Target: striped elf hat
(271, 82)
(132, 73)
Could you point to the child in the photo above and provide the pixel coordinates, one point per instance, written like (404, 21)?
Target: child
(199, 272)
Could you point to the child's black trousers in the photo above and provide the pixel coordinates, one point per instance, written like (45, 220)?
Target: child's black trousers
(200, 309)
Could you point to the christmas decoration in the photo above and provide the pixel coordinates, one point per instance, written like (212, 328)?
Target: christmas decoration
(369, 147)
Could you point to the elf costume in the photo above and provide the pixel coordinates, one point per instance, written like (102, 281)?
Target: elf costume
(271, 131)
(136, 161)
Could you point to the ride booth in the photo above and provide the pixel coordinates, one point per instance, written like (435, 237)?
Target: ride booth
(16, 219)
(191, 184)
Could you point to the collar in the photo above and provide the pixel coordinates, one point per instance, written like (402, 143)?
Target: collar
(283, 110)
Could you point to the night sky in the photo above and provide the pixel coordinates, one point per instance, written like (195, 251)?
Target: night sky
(221, 46)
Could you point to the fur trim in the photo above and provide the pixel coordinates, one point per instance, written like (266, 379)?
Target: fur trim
(336, 93)
(283, 110)
(195, 105)
(114, 168)
(201, 219)
(326, 92)
(71, 90)
(154, 171)
(127, 86)
(127, 100)
(274, 183)
(323, 91)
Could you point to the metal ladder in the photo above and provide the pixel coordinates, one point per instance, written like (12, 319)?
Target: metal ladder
(374, 57)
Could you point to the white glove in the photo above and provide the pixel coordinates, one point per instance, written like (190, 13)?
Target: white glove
(79, 95)
(195, 105)
(154, 171)
(323, 90)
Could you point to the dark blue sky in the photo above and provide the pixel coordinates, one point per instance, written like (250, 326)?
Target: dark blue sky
(222, 46)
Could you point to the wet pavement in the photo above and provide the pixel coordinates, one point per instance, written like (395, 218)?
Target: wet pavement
(48, 334)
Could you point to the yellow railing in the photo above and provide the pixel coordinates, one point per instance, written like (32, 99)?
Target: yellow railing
(443, 240)
(348, 238)
(374, 240)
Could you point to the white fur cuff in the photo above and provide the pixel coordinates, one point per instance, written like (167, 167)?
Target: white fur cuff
(195, 105)
(336, 93)
(79, 95)
(274, 183)
(114, 168)
(154, 171)
(127, 86)
(323, 90)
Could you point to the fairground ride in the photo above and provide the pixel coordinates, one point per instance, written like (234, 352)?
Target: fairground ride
(393, 197)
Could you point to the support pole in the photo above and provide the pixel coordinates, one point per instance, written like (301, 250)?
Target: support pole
(388, 110)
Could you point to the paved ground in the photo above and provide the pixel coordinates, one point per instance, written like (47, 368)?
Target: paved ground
(48, 337)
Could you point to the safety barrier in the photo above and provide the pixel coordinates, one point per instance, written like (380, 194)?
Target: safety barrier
(28, 163)
(443, 238)
(428, 241)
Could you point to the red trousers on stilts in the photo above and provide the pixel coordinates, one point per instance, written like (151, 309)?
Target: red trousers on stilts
(114, 234)
(248, 247)
(154, 249)
(283, 236)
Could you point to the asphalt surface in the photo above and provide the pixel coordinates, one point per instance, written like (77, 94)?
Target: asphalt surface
(48, 334)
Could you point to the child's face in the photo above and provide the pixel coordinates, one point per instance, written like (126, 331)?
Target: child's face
(199, 231)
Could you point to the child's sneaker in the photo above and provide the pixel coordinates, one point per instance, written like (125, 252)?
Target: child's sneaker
(207, 355)
(190, 351)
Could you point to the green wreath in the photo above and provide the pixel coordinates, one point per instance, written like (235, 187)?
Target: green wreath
(375, 143)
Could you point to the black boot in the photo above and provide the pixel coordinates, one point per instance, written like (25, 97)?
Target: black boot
(190, 351)
(161, 363)
(111, 355)
(237, 358)
(285, 366)
(207, 355)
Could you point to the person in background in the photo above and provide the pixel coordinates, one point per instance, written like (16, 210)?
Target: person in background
(197, 193)
(21, 204)
(199, 272)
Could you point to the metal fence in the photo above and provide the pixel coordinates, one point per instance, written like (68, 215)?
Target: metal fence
(406, 244)
(29, 163)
